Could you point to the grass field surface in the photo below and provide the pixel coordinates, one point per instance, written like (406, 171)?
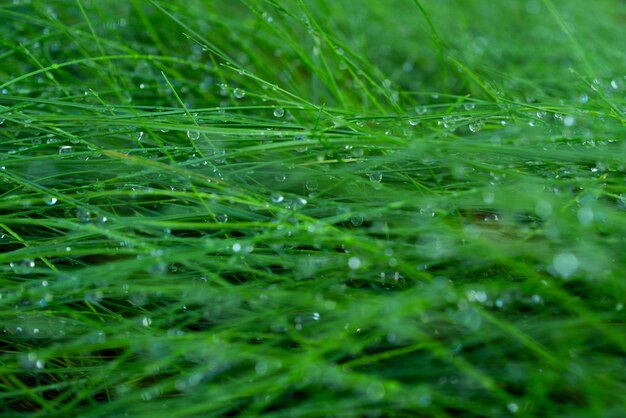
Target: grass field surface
(313, 208)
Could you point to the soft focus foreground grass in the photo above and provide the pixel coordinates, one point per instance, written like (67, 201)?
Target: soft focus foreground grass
(312, 208)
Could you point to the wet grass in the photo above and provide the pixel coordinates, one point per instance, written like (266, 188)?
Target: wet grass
(312, 208)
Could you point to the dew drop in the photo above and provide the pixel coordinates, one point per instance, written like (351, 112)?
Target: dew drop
(261, 368)
(193, 135)
(279, 112)
(221, 218)
(239, 93)
(543, 209)
(375, 176)
(585, 215)
(298, 202)
(50, 200)
(66, 149)
(565, 264)
(476, 126)
(376, 391)
(83, 215)
(356, 220)
(469, 106)
(312, 185)
(354, 263)
(569, 120)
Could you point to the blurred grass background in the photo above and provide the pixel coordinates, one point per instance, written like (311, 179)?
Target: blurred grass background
(312, 208)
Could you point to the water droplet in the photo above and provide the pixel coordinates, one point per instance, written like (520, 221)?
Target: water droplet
(267, 17)
(375, 176)
(585, 215)
(543, 209)
(236, 247)
(66, 149)
(356, 220)
(280, 177)
(584, 98)
(32, 360)
(512, 407)
(414, 122)
(565, 264)
(193, 135)
(476, 126)
(479, 296)
(298, 202)
(311, 185)
(261, 367)
(469, 106)
(239, 93)
(146, 321)
(23, 267)
(50, 200)
(569, 120)
(354, 263)
(541, 114)
(279, 112)
(83, 215)
(221, 218)
(277, 198)
(376, 391)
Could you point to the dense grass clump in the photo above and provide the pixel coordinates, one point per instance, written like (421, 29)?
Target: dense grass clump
(313, 208)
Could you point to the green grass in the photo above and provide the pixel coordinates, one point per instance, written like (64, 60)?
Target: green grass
(312, 208)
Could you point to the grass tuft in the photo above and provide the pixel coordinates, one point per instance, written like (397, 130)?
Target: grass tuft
(312, 208)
